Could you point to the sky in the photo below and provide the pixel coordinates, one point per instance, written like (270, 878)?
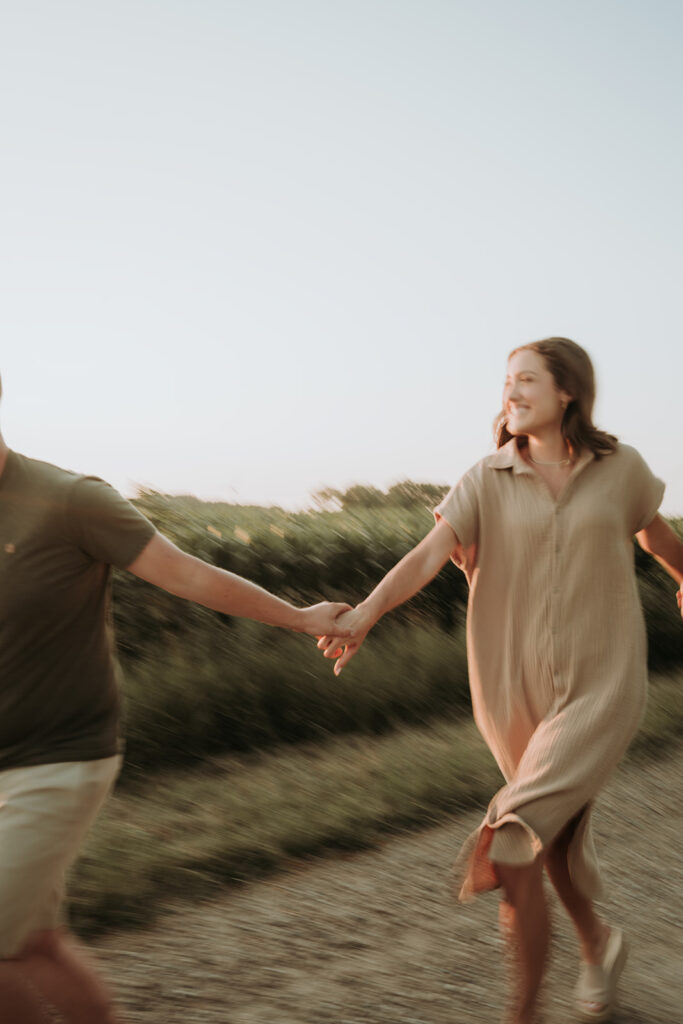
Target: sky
(252, 249)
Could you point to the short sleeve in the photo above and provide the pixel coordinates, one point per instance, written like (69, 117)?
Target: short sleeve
(105, 525)
(645, 492)
(460, 509)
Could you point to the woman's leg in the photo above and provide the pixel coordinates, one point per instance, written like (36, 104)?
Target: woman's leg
(592, 931)
(524, 918)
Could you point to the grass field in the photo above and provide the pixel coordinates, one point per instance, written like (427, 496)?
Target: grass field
(186, 833)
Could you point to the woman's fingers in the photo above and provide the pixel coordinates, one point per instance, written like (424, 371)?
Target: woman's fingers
(349, 651)
(334, 648)
(331, 646)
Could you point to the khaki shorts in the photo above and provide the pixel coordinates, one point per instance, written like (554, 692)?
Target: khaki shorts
(45, 812)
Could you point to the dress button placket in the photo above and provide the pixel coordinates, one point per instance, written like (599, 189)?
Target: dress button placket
(555, 594)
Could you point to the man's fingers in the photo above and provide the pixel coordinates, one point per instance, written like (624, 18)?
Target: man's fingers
(338, 608)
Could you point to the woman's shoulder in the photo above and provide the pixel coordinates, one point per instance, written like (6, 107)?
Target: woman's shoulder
(624, 456)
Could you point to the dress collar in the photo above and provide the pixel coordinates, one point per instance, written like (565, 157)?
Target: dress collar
(510, 457)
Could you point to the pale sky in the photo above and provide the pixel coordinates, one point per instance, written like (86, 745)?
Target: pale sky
(254, 248)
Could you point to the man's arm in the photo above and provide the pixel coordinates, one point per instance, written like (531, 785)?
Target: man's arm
(166, 566)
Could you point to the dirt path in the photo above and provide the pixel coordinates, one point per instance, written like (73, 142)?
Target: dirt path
(375, 938)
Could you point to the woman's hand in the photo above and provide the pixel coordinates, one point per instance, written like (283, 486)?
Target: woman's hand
(411, 574)
(357, 625)
(679, 598)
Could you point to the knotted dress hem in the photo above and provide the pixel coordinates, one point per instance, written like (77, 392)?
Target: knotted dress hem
(510, 840)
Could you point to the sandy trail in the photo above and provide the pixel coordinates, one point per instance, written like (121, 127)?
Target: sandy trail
(376, 938)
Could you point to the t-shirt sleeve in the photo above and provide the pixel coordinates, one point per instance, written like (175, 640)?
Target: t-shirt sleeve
(460, 509)
(645, 492)
(105, 525)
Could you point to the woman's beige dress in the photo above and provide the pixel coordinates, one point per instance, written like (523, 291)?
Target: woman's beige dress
(556, 644)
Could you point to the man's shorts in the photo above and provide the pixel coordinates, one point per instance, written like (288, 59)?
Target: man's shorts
(45, 812)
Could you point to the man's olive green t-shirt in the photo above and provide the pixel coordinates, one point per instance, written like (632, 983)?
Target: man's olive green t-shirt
(60, 533)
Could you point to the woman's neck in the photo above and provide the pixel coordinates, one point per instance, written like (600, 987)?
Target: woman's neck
(550, 450)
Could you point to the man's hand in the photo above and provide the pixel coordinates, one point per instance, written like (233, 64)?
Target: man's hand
(352, 628)
(319, 619)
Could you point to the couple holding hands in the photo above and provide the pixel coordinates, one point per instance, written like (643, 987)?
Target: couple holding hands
(543, 530)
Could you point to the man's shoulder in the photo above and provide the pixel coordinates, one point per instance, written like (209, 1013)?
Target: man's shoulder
(35, 474)
(41, 483)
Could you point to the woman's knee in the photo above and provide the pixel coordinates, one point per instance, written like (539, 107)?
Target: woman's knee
(521, 883)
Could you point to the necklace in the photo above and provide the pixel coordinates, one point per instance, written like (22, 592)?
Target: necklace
(538, 462)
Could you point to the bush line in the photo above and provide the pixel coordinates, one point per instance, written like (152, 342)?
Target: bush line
(197, 683)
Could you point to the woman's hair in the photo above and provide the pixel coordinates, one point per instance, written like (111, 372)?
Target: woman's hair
(572, 371)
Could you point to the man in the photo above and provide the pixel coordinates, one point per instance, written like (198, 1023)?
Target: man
(59, 751)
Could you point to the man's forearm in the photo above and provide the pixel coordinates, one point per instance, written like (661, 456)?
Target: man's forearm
(225, 592)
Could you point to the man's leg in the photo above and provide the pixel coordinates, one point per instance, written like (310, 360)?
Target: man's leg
(52, 965)
(45, 812)
(19, 1001)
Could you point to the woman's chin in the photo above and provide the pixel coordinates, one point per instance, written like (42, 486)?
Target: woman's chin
(515, 429)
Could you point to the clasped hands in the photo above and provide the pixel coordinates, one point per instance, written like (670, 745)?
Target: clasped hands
(355, 624)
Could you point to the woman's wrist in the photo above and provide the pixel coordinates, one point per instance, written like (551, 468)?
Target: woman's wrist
(368, 613)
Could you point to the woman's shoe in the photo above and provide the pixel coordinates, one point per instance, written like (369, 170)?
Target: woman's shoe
(597, 985)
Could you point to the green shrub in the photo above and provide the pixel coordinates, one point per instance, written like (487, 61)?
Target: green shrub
(252, 687)
(198, 682)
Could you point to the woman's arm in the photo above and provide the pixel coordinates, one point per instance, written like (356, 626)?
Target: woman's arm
(660, 541)
(407, 577)
(166, 566)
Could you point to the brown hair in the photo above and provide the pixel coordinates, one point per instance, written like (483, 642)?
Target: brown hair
(572, 371)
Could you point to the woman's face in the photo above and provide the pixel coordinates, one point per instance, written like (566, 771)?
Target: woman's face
(531, 400)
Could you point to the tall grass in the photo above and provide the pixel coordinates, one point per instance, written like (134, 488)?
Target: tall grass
(252, 688)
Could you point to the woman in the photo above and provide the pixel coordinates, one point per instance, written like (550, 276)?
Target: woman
(543, 530)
